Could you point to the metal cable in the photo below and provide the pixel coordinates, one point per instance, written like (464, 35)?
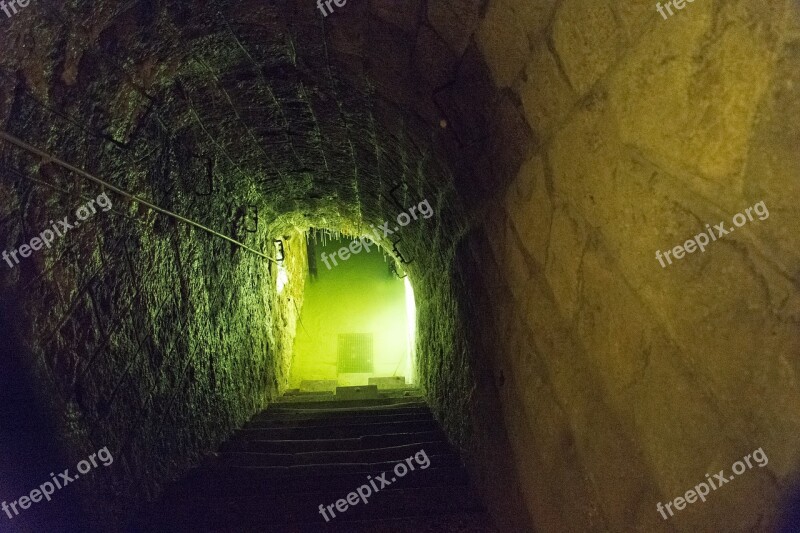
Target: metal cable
(51, 158)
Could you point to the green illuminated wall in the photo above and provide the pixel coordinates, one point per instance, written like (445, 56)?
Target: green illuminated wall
(357, 296)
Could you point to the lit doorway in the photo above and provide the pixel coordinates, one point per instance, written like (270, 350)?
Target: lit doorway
(358, 321)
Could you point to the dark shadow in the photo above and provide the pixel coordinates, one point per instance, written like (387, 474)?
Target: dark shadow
(29, 447)
(789, 517)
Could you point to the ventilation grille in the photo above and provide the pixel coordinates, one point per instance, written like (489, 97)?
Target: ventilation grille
(355, 353)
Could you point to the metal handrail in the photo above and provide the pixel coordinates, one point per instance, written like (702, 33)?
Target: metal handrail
(51, 158)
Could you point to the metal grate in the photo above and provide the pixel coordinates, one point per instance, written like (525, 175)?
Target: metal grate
(355, 353)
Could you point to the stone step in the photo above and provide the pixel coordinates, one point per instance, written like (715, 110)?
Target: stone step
(370, 467)
(394, 453)
(298, 392)
(385, 392)
(246, 481)
(314, 403)
(390, 382)
(325, 421)
(206, 513)
(309, 449)
(323, 445)
(357, 392)
(450, 523)
(281, 413)
(443, 460)
(318, 385)
(336, 432)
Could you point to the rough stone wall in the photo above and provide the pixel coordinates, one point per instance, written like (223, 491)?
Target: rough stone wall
(149, 337)
(623, 383)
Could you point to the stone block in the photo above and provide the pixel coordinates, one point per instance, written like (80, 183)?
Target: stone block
(508, 31)
(686, 96)
(466, 103)
(587, 40)
(612, 329)
(540, 480)
(434, 63)
(318, 385)
(515, 264)
(583, 155)
(455, 21)
(530, 208)
(793, 14)
(546, 95)
(637, 17)
(568, 238)
(773, 161)
(362, 392)
(392, 382)
(509, 124)
(403, 13)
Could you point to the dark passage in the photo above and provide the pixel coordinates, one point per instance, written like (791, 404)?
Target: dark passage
(317, 449)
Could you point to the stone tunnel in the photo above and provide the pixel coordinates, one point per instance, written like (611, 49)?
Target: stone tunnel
(589, 355)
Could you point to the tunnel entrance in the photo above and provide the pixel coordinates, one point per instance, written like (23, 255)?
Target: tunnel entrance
(358, 321)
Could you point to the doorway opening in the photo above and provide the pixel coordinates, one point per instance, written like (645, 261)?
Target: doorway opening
(358, 321)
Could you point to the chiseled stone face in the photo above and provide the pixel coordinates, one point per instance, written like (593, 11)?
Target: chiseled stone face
(647, 130)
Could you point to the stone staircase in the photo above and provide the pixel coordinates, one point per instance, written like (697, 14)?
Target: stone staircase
(313, 449)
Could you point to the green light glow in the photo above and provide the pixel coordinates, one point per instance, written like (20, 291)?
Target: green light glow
(282, 278)
(358, 295)
(411, 322)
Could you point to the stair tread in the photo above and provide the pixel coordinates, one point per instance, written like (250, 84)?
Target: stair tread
(281, 498)
(389, 453)
(448, 523)
(308, 449)
(316, 403)
(340, 431)
(248, 480)
(450, 459)
(355, 443)
(286, 508)
(462, 522)
(281, 412)
(323, 421)
(452, 523)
